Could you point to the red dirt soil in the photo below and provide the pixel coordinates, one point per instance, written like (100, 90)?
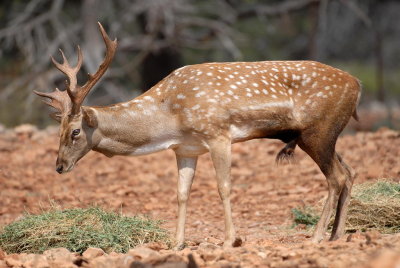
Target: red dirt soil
(262, 198)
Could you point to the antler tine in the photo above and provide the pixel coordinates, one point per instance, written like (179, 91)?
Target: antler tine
(58, 100)
(70, 72)
(110, 52)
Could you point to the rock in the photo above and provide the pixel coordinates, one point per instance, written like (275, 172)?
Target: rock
(57, 253)
(226, 264)
(372, 236)
(214, 255)
(60, 257)
(195, 260)
(261, 254)
(125, 261)
(13, 260)
(39, 135)
(107, 261)
(207, 246)
(3, 264)
(357, 236)
(170, 260)
(387, 259)
(138, 264)
(26, 130)
(2, 255)
(34, 261)
(213, 240)
(322, 262)
(92, 253)
(143, 253)
(156, 246)
(387, 133)
(54, 129)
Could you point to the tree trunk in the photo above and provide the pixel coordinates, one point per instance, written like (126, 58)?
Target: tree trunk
(157, 64)
(379, 66)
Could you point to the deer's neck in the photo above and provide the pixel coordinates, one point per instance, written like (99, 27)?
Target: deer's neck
(134, 128)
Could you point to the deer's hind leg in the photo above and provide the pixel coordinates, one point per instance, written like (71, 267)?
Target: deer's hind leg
(343, 203)
(321, 148)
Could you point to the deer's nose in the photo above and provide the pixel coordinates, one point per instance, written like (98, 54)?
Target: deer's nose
(59, 169)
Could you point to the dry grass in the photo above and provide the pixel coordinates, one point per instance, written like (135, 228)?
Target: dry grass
(373, 206)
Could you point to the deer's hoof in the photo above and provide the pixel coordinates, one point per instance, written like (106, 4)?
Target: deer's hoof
(179, 247)
(237, 242)
(317, 239)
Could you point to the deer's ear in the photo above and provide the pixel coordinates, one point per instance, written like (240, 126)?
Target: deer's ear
(90, 117)
(56, 116)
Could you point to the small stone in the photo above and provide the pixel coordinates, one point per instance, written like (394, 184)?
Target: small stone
(60, 257)
(372, 236)
(13, 260)
(92, 253)
(207, 246)
(3, 264)
(387, 259)
(213, 240)
(214, 255)
(143, 253)
(195, 258)
(25, 130)
(166, 260)
(262, 254)
(107, 261)
(57, 253)
(156, 246)
(322, 262)
(35, 260)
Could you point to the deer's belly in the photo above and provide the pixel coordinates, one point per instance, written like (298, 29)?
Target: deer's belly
(257, 130)
(155, 146)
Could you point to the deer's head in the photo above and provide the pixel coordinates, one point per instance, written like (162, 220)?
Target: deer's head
(77, 123)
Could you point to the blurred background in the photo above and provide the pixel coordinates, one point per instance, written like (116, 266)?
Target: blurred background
(158, 36)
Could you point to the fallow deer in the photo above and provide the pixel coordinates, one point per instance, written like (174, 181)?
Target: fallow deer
(207, 107)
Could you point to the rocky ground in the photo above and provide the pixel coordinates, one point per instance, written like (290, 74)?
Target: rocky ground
(263, 195)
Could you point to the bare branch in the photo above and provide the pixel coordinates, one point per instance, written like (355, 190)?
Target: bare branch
(281, 8)
(358, 11)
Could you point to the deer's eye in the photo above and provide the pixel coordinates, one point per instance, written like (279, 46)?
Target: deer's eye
(75, 133)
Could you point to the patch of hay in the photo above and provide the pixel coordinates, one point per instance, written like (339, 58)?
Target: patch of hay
(79, 229)
(373, 206)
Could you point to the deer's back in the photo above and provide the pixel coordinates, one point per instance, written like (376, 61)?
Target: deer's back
(256, 99)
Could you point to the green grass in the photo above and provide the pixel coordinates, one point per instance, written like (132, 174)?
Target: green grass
(305, 216)
(79, 229)
(379, 190)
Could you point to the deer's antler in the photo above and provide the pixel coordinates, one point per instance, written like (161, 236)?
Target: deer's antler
(70, 101)
(70, 72)
(80, 95)
(58, 100)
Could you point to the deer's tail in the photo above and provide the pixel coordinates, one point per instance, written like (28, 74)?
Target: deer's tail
(287, 152)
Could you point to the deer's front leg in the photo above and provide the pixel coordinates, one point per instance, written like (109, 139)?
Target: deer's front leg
(220, 150)
(186, 170)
